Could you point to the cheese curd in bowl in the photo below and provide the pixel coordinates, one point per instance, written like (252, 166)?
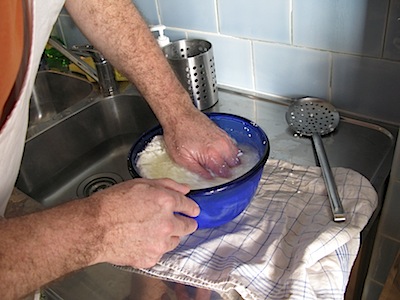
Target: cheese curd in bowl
(154, 162)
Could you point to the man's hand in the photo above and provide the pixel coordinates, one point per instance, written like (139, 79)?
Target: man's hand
(198, 144)
(140, 220)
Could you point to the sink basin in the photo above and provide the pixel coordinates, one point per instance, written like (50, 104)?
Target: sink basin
(53, 93)
(84, 152)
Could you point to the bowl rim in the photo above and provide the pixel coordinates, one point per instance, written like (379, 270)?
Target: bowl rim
(220, 187)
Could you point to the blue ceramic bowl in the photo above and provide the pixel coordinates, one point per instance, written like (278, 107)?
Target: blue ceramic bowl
(222, 203)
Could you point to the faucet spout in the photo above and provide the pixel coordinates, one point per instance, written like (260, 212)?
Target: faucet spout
(74, 58)
(104, 73)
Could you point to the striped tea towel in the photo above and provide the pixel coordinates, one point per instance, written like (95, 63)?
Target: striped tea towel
(284, 245)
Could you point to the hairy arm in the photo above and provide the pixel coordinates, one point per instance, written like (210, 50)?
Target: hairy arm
(117, 29)
(41, 247)
(133, 223)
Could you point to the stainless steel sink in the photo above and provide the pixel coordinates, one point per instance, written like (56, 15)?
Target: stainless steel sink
(53, 93)
(84, 151)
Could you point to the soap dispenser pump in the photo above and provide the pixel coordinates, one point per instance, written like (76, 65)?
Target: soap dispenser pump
(162, 39)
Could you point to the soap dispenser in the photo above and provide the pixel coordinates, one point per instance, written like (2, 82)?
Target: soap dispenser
(162, 39)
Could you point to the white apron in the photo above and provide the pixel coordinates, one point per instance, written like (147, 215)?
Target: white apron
(12, 135)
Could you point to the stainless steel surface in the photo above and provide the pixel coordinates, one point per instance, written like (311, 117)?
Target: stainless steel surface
(54, 92)
(91, 143)
(315, 117)
(193, 63)
(95, 135)
(309, 116)
(333, 195)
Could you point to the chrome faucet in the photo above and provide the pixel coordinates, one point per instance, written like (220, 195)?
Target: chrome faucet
(104, 73)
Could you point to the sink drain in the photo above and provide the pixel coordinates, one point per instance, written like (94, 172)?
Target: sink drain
(97, 182)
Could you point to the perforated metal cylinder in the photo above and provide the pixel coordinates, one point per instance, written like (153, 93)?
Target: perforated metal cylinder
(193, 63)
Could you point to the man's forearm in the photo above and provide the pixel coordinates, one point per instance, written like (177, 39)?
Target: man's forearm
(132, 50)
(41, 247)
(133, 223)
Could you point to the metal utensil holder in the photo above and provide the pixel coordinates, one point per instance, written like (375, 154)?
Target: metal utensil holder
(193, 63)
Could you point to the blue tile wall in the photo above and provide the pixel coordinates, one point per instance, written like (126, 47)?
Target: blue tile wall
(366, 85)
(355, 26)
(291, 71)
(233, 67)
(148, 10)
(266, 20)
(345, 51)
(189, 14)
(69, 32)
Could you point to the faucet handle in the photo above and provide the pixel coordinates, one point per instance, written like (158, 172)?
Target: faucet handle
(89, 50)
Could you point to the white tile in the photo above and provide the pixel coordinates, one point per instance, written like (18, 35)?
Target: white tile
(290, 71)
(267, 20)
(148, 9)
(232, 60)
(71, 32)
(189, 14)
(355, 26)
(367, 86)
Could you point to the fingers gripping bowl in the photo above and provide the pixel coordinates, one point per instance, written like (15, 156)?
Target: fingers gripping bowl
(221, 203)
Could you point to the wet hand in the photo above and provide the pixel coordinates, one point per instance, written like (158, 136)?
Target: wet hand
(198, 144)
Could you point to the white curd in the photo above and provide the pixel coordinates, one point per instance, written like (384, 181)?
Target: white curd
(154, 162)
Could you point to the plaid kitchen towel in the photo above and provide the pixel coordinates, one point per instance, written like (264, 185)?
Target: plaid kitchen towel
(284, 245)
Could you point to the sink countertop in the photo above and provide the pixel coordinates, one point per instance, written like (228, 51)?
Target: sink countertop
(356, 144)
